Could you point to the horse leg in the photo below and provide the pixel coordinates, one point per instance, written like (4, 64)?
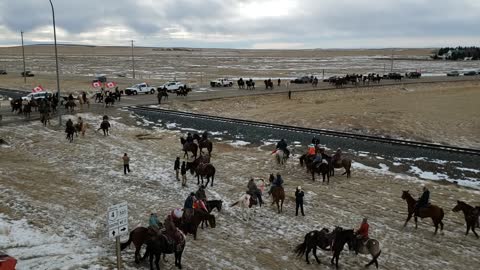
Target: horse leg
(408, 219)
(306, 254)
(315, 254)
(208, 181)
(151, 261)
(198, 180)
(157, 260)
(278, 206)
(281, 207)
(416, 221)
(474, 232)
(468, 228)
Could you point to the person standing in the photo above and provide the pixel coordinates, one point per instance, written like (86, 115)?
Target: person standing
(289, 94)
(183, 171)
(176, 167)
(279, 82)
(126, 163)
(299, 200)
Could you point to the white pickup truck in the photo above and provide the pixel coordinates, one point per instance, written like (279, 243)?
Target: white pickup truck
(221, 82)
(173, 86)
(140, 88)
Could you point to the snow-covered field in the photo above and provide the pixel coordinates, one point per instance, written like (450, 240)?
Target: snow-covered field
(54, 196)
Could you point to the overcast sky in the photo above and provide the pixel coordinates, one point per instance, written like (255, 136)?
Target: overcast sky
(285, 24)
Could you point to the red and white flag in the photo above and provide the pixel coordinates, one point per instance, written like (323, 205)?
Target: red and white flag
(111, 84)
(37, 89)
(97, 84)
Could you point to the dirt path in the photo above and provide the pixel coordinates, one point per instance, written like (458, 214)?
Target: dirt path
(65, 189)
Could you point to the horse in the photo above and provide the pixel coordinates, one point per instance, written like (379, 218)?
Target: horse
(432, 211)
(162, 245)
(250, 84)
(278, 195)
(268, 84)
(27, 109)
(138, 236)
(202, 169)
(104, 126)
(345, 163)
(322, 168)
(471, 215)
(191, 226)
(203, 143)
(246, 202)
(280, 157)
(109, 100)
(370, 246)
(191, 147)
(312, 240)
(45, 118)
(241, 84)
(214, 204)
(70, 106)
(81, 128)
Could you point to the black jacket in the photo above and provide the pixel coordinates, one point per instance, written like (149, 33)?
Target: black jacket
(177, 164)
(299, 196)
(183, 170)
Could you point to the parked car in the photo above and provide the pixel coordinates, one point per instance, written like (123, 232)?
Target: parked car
(225, 82)
(330, 79)
(304, 79)
(3, 72)
(470, 73)
(173, 86)
(100, 78)
(37, 95)
(413, 75)
(140, 88)
(453, 73)
(28, 73)
(393, 76)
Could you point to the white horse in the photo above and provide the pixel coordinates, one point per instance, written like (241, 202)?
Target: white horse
(280, 157)
(246, 203)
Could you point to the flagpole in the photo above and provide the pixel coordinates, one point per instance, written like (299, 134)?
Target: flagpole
(23, 54)
(133, 62)
(56, 62)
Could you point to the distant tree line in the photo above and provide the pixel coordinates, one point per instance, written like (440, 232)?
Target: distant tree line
(458, 53)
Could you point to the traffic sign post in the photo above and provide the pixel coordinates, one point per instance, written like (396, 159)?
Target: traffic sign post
(117, 223)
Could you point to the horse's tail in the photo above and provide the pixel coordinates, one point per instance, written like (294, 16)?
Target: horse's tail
(126, 244)
(300, 249)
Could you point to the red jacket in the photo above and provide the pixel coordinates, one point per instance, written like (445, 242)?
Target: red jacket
(363, 231)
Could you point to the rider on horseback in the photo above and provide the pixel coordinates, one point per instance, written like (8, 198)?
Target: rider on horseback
(278, 182)
(205, 136)
(362, 234)
(315, 141)
(253, 190)
(423, 201)
(188, 207)
(154, 223)
(337, 157)
(311, 150)
(282, 145)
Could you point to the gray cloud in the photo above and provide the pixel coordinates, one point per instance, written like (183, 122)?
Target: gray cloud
(246, 23)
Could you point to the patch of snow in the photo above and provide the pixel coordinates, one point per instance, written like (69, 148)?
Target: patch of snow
(238, 143)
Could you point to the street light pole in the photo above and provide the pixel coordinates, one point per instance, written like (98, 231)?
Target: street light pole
(23, 54)
(133, 62)
(56, 62)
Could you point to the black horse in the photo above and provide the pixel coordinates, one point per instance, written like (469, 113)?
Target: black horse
(214, 204)
(163, 245)
(312, 240)
(268, 84)
(321, 168)
(110, 100)
(190, 147)
(341, 238)
(104, 126)
(203, 143)
(250, 84)
(241, 84)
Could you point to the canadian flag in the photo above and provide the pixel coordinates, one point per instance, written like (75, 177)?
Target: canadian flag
(37, 89)
(97, 84)
(111, 84)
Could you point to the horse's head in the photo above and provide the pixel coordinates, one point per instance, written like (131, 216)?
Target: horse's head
(219, 206)
(460, 206)
(182, 140)
(405, 194)
(190, 167)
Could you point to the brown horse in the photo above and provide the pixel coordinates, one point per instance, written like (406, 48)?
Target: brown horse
(432, 211)
(471, 215)
(138, 236)
(191, 147)
(202, 170)
(191, 226)
(278, 195)
(345, 163)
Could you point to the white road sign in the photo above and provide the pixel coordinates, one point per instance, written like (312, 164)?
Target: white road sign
(117, 220)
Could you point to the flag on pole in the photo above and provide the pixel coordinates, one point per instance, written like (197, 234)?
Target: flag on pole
(37, 89)
(97, 84)
(111, 84)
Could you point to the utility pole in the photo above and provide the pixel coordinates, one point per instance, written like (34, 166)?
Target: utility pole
(391, 67)
(23, 54)
(133, 62)
(56, 62)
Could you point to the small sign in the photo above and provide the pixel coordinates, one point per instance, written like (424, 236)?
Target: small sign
(117, 220)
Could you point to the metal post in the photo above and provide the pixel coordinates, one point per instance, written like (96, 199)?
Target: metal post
(23, 54)
(117, 247)
(133, 62)
(56, 62)
(391, 68)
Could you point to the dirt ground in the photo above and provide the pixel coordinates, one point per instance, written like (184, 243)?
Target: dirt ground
(65, 188)
(446, 113)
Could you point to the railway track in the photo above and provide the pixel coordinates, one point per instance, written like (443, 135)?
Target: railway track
(323, 132)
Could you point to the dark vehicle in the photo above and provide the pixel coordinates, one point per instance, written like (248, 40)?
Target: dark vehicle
(453, 73)
(101, 79)
(470, 73)
(393, 76)
(28, 73)
(413, 75)
(3, 72)
(304, 79)
(331, 79)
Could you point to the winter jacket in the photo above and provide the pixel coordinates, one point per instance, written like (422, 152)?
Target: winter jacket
(176, 166)
(153, 221)
(188, 203)
(423, 200)
(299, 196)
(363, 231)
(183, 170)
(278, 182)
(282, 145)
(126, 160)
